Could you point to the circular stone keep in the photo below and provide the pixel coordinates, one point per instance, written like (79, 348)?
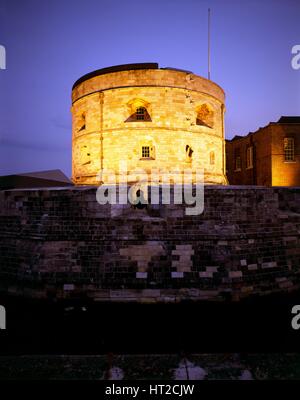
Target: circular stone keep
(148, 117)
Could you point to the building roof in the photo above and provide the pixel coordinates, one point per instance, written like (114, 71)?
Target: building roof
(282, 120)
(122, 67)
(235, 137)
(51, 178)
(289, 120)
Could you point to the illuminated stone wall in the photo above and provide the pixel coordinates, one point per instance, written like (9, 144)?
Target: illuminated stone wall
(184, 112)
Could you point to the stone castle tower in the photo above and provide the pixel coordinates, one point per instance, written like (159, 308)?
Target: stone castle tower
(150, 117)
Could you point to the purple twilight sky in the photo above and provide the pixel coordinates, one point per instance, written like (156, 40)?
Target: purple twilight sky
(51, 43)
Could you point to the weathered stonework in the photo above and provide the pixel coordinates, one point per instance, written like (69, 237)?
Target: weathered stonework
(62, 243)
(184, 111)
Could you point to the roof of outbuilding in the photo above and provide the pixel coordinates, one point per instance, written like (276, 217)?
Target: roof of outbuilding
(49, 178)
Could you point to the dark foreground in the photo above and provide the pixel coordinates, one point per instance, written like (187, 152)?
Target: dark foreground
(152, 367)
(250, 339)
(261, 324)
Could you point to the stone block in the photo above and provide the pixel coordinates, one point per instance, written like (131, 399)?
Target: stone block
(177, 274)
(206, 274)
(141, 275)
(150, 293)
(68, 287)
(252, 267)
(271, 264)
(211, 269)
(235, 274)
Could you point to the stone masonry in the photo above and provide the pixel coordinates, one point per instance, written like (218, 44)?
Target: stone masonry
(60, 243)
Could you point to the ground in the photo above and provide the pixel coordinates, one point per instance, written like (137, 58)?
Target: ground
(141, 367)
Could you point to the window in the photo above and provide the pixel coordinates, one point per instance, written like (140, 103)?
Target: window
(205, 116)
(85, 155)
(212, 158)
(237, 159)
(81, 122)
(145, 151)
(238, 164)
(289, 149)
(249, 157)
(146, 148)
(189, 152)
(138, 110)
(140, 113)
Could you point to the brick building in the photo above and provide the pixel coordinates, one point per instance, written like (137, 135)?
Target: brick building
(270, 156)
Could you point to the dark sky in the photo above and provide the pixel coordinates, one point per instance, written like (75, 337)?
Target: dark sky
(51, 43)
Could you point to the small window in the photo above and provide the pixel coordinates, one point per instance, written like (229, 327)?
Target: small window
(140, 113)
(205, 116)
(189, 152)
(238, 164)
(249, 157)
(81, 123)
(212, 158)
(145, 151)
(85, 155)
(289, 149)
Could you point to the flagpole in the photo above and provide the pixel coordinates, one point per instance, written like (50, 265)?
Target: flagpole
(208, 49)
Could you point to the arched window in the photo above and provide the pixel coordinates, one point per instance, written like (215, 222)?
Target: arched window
(212, 158)
(138, 111)
(205, 116)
